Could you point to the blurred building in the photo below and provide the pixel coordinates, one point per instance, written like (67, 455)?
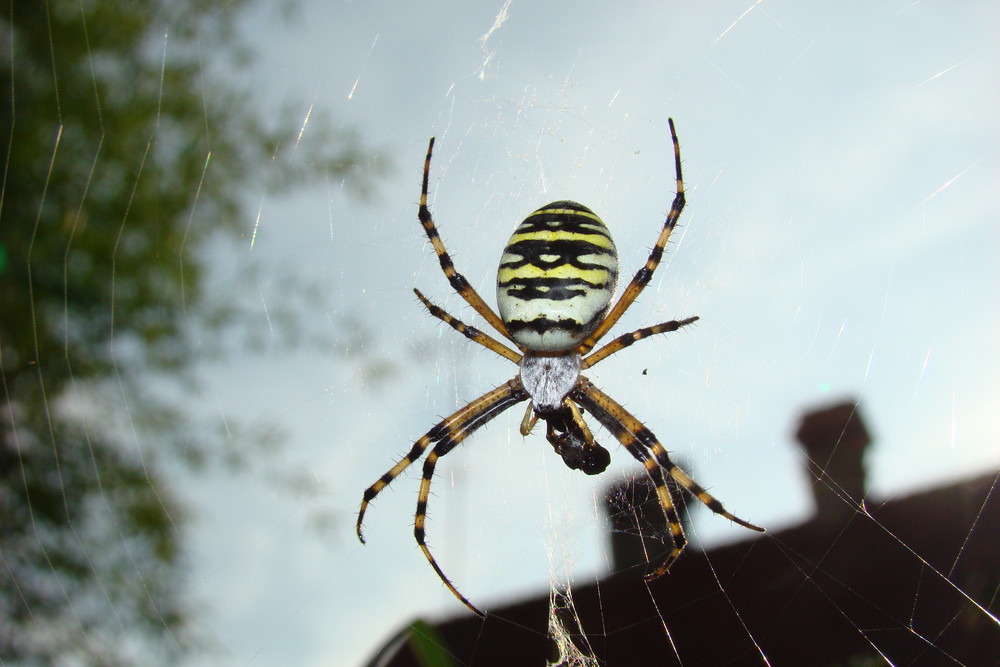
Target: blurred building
(905, 581)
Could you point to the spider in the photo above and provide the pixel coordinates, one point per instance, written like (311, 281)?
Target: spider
(555, 284)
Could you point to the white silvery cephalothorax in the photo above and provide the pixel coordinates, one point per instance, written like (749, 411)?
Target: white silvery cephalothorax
(549, 379)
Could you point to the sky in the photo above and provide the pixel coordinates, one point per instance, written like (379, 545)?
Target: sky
(839, 241)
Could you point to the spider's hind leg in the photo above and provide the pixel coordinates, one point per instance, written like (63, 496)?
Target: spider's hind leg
(645, 274)
(458, 282)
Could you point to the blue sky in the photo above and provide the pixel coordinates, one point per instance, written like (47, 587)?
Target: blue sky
(840, 240)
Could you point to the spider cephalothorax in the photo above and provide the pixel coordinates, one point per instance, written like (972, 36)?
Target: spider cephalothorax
(555, 284)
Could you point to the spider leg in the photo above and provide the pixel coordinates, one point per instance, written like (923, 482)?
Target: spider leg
(625, 340)
(491, 405)
(645, 274)
(637, 439)
(472, 333)
(457, 280)
(418, 525)
(458, 425)
(529, 420)
(446, 434)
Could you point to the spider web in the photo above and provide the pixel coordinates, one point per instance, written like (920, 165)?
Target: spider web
(223, 357)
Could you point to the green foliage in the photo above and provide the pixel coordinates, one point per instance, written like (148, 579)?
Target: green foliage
(427, 646)
(128, 151)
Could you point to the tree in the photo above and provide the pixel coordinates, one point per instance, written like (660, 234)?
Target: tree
(127, 150)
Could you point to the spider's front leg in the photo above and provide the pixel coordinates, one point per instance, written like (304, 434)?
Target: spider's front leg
(451, 431)
(644, 446)
(445, 436)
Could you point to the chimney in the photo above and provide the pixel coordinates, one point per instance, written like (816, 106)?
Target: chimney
(835, 440)
(639, 532)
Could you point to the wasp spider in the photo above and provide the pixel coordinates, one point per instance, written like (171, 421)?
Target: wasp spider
(555, 285)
